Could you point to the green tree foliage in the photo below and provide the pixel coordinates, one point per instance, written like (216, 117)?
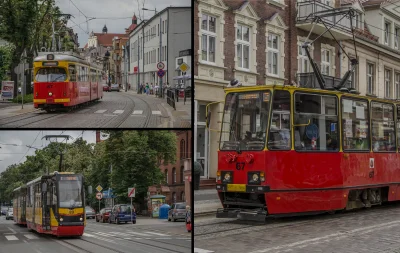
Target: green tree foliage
(6, 54)
(135, 157)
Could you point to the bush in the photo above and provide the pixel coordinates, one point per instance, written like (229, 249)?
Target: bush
(27, 98)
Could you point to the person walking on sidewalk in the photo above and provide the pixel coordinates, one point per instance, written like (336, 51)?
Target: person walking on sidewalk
(151, 89)
(188, 219)
(147, 89)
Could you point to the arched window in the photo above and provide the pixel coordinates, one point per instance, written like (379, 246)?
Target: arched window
(174, 197)
(183, 196)
(182, 151)
(182, 176)
(174, 175)
(166, 176)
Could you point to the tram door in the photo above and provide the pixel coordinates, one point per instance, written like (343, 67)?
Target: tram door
(45, 206)
(22, 204)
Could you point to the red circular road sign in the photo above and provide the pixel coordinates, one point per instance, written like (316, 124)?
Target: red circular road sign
(160, 65)
(99, 195)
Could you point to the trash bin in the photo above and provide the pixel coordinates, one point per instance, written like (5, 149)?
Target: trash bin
(164, 211)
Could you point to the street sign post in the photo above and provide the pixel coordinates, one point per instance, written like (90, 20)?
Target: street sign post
(184, 67)
(160, 73)
(99, 196)
(131, 194)
(160, 65)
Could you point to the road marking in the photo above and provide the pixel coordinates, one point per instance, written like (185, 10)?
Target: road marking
(88, 235)
(156, 234)
(327, 238)
(137, 112)
(11, 237)
(118, 111)
(197, 250)
(31, 236)
(100, 111)
(156, 112)
(12, 230)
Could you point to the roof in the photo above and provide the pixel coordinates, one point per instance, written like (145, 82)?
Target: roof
(105, 39)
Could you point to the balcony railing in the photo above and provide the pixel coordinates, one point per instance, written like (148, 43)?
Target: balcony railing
(306, 12)
(308, 80)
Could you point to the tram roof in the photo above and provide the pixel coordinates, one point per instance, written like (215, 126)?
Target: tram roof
(294, 88)
(19, 188)
(34, 181)
(65, 56)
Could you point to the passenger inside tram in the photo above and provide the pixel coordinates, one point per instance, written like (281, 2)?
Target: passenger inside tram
(331, 143)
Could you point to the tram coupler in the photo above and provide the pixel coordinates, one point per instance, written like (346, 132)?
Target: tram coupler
(227, 212)
(242, 214)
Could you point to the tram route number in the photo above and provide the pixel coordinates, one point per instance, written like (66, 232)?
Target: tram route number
(240, 166)
(49, 86)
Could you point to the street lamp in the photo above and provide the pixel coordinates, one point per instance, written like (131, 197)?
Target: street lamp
(161, 84)
(107, 55)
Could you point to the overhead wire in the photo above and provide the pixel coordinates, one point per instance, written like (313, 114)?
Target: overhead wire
(29, 148)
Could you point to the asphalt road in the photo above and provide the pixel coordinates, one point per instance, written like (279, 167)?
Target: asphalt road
(368, 230)
(145, 236)
(115, 110)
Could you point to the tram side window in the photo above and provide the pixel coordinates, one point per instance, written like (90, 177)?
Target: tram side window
(316, 122)
(355, 125)
(383, 127)
(72, 73)
(279, 134)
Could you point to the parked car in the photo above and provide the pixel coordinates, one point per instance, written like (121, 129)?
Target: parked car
(103, 215)
(177, 212)
(122, 213)
(90, 212)
(4, 210)
(9, 215)
(115, 87)
(106, 88)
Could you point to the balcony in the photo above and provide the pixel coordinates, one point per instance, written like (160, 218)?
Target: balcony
(308, 80)
(308, 10)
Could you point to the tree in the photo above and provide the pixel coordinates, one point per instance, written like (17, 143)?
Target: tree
(6, 54)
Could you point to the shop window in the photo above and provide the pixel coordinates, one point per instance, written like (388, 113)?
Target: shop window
(355, 125)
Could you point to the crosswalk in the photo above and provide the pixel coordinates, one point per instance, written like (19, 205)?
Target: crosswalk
(119, 112)
(197, 250)
(20, 237)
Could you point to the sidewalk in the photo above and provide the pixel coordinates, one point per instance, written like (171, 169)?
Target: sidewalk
(179, 118)
(15, 109)
(206, 202)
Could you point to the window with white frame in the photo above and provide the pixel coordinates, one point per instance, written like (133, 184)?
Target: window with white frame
(243, 46)
(388, 83)
(353, 77)
(304, 64)
(209, 34)
(397, 85)
(387, 33)
(396, 38)
(273, 54)
(370, 78)
(326, 61)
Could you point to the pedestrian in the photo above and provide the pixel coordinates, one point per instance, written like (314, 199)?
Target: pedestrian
(188, 219)
(147, 89)
(151, 89)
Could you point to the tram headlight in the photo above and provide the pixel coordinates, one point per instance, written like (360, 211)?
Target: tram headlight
(81, 219)
(61, 219)
(50, 94)
(227, 177)
(254, 177)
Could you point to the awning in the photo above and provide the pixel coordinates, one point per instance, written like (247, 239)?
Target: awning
(183, 77)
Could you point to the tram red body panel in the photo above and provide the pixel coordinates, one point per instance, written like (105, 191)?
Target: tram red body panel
(59, 230)
(308, 181)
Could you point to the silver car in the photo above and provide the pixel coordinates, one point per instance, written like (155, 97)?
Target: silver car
(10, 215)
(177, 212)
(90, 212)
(114, 87)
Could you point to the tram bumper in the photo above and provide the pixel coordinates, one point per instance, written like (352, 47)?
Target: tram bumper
(242, 214)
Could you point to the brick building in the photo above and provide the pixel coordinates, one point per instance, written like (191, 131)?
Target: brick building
(258, 42)
(174, 186)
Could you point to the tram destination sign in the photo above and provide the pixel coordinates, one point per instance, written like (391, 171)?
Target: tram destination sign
(50, 63)
(68, 178)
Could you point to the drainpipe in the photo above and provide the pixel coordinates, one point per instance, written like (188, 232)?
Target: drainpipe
(340, 59)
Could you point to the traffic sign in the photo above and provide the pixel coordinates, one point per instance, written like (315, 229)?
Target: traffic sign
(99, 195)
(99, 188)
(160, 65)
(131, 192)
(184, 67)
(160, 73)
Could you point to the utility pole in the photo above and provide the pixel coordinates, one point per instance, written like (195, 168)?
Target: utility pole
(126, 65)
(138, 64)
(53, 44)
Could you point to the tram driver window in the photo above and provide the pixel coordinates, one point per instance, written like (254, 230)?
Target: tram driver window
(279, 133)
(383, 128)
(316, 122)
(51, 75)
(355, 125)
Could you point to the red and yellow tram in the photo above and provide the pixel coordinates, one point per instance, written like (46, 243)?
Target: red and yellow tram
(286, 150)
(54, 204)
(19, 210)
(65, 80)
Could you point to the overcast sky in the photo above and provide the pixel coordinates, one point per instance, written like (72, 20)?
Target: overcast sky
(110, 9)
(15, 152)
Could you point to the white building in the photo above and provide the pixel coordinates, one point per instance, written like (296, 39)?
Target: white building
(174, 27)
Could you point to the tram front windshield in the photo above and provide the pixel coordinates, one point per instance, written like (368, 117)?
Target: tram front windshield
(51, 75)
(70, 193)
(245, 120)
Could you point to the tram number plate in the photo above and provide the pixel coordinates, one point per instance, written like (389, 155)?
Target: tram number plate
(236, 188)
(50, 100)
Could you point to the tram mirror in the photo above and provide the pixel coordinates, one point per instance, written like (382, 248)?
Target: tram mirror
(44, 187)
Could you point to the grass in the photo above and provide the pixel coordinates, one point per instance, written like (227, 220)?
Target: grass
(27, 98)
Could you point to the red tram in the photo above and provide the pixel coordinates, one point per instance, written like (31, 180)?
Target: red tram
(292, 151)
(64, 80)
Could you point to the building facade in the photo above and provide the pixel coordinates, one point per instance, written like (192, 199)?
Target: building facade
(170, 28)
(260, 42)
(174, 186)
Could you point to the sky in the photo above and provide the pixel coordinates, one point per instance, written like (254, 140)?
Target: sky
(17, 151)
(119, 14)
